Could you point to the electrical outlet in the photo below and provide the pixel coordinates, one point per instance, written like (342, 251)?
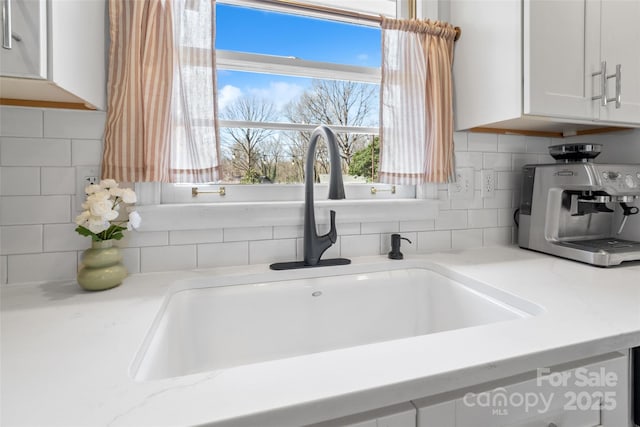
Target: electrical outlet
(488, 183)
(463, 187)
(85, 175)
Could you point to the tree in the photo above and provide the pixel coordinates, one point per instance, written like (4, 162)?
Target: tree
(245, 147)
(333, 102)
(365, 161)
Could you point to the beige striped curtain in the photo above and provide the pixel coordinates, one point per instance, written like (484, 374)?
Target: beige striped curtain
(416, 112)
(161, 113)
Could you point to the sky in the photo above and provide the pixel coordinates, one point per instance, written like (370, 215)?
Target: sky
(256, 31)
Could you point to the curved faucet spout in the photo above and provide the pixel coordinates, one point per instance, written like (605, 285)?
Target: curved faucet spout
(315, 245)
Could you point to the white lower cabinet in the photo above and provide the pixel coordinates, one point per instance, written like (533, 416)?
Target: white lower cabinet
(593, 393)
(401, 415)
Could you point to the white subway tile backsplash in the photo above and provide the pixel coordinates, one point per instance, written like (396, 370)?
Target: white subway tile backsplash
(131, 259)
(475, 203)
(24, 122)
(22, 210)
(537, 144)
(3, 270)
(344, 229)
(41, 151)
(508, 180)
(20, 239)
(468, 160)
(63, 237)
(58, 180)
(512, 144)
(35, 152)
(463, 239)
(519, 160)
(19, 181)
(425, 225)
(74, 124)
(223, 254)
(449, 220)
(288, 231)
(144, 238)
(248, 233)
(482, 142)
(86, 152)
(362, 245)
(501, 199)
(460, 141)
(185, 237)
(42, 267)
(270, 251)
(497, 236)
(434, 241)
(505, 217)
(480, 218)
(444, 203)
(497, 161)
(380, 227)
(166, 258)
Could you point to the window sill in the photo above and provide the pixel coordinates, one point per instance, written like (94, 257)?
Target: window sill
(201, 216)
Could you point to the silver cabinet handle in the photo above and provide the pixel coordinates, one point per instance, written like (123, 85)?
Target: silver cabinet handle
(618, 76)
(603, 84)
(6, 19)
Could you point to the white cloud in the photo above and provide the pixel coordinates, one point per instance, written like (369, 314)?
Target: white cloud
(227, 95)
(363, 57)
(280, 93)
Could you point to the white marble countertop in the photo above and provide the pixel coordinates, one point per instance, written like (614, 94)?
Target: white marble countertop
(66, 353)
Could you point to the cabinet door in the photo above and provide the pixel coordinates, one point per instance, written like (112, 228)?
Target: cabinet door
(620, 45)
(555, 53)
(27, 55)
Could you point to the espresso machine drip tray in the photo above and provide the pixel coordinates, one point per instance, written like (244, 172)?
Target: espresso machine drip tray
(608, 245)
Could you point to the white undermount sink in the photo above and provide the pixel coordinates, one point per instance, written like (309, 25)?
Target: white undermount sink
(205, 327)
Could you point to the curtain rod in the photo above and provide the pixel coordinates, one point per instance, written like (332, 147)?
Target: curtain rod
(341, 12)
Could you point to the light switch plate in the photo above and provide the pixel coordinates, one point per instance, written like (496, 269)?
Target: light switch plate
(463, 187)
(85, 175)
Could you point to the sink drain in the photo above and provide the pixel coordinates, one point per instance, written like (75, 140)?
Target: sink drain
(316, 294)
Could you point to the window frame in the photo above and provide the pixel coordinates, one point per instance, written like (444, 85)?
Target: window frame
(289, 66)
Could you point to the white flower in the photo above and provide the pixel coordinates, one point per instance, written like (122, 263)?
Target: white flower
(134, 220)
(83, 217)
(97, 225)
(128, 196)
(100, 207)
(90, 189)
(102, 210)
(108, 183)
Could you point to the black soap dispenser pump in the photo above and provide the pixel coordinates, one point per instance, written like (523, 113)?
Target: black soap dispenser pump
(395, 246)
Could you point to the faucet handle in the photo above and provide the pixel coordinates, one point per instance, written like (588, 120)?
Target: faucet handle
(333, 234)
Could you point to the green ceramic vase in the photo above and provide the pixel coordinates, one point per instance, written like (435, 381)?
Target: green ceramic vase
(101, 267)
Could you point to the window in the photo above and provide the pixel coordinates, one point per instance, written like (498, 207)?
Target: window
(281, 71)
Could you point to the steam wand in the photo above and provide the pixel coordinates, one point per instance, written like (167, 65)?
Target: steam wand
(626, 212)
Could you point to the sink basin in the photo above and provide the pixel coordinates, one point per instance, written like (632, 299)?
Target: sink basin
(207, 328)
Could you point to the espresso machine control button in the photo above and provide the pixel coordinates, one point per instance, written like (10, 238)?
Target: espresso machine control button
(629, 181)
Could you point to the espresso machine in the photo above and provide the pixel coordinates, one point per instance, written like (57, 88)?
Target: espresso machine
(578, 209)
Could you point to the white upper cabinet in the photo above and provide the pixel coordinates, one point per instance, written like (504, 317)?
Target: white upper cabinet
(24, 39)
(619, 46)
(54, 51)
(533, 64)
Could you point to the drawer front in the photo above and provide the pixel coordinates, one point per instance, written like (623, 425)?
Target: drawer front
(588, 396)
